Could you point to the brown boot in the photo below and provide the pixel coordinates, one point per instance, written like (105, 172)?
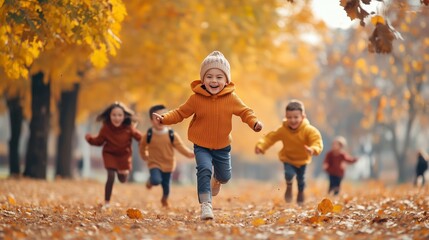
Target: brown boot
(300, 197)
(148, 184)
(164, 201)
(288, 193)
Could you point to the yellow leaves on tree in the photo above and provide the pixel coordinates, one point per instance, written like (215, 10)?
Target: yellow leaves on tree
(134, 213)
(30, 27)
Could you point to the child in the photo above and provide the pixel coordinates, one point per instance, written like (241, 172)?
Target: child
(300, 142)
(157, 149)
(421, 167)
(211, 107)
(335, 163)
(115, 136)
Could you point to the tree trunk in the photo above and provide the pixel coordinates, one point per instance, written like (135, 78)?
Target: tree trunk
(67, 110)
(15, 117)
(37, 148)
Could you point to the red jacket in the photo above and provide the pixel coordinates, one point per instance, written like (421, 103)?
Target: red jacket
(116, 143)
(335, 163)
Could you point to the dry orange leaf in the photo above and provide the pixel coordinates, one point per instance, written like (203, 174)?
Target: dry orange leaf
(11, 200)
(337, 208)
(325, 206)
(258, 222)
(134, 213)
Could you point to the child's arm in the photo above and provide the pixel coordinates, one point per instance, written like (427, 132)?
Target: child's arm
(315, 145)
(177, 115)
(349, 159)
(246, 114)
(178, 144)
(143, 148)
(137, 135)
(267, 141)
(96, 140)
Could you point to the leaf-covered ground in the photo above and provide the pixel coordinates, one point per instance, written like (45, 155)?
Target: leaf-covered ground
(70, 209)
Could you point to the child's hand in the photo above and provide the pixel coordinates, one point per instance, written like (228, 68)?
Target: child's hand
(258, 151)
(157, 117)
(325, 166)
(258, 126)
(309, 150)
(87, 137)
(191, 155)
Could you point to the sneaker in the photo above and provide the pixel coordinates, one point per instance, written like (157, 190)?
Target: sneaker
(206, 211)
(288, 193)
(300, 198)
(215, 186)
(105, 207)
(148, 184)
(164, 201)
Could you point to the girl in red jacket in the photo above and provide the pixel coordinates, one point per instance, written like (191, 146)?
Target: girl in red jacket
(335, 163)
(115, 136)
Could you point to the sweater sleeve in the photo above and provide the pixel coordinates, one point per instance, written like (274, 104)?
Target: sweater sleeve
(100, 139)
(349, 159)
(177, 115)
(178, 144)
(137, 135)
(268, 140)
(244, 112)
(315, 140)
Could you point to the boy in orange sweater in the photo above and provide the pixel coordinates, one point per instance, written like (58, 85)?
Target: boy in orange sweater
(300, 142)
(212, 106)
(157, 149)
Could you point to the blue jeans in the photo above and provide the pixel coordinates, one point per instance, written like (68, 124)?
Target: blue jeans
(208, 160)
(291, 171)
(159, 177)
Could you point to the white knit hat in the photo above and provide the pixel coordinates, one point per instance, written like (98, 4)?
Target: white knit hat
(216, 60)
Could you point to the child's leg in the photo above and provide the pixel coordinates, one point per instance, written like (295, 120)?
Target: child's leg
(123, 176)
(423, 179)
(331, 183)
(336, 184)
(290, 172)
(222, 168)
(222, 164)
(300, 177)
(204, 172)
(166, 179)
(155, 176)
(109, 184)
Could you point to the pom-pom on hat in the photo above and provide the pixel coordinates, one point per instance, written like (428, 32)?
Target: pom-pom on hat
(216, 60)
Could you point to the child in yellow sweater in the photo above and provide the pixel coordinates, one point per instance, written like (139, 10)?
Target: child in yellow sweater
(212, 106)
(300, 142)
(157, 149)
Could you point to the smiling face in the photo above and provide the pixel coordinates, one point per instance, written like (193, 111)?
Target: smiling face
(294, 118)
(214, 80)
(117, 116)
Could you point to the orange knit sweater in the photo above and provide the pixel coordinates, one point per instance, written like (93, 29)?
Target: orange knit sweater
(211, 123)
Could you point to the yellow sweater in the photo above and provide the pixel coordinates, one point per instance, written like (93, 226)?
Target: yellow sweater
(159, 153)
(293, 151)
(211, 123)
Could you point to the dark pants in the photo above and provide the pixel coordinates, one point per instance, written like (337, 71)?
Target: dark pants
(159, 177)
(334, 184)
(209, 160)
(291, 171)
(110, 180)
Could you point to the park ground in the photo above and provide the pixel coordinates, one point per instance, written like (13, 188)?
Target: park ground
(244, 209)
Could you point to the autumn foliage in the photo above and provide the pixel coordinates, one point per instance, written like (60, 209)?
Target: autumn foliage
(243, 210)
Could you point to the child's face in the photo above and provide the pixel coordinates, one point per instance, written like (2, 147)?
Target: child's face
(336, 146)
(294, 118)
(156, 124)
(117, 116)
(215, 80)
